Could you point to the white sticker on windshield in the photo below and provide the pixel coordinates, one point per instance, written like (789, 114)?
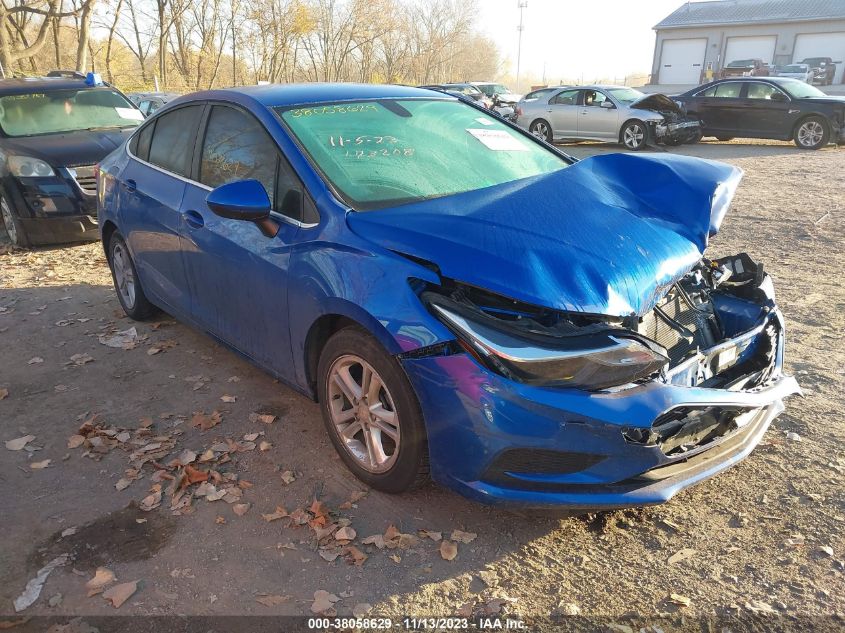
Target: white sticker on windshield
(129, 113)
(498, 140)
(483, 121)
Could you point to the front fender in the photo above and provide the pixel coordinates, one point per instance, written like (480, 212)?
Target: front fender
(370, 288)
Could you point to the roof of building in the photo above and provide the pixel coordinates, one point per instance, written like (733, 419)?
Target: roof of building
(723, 12)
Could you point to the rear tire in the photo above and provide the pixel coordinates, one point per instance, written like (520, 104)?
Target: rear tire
(14, 229)
(371, 413)
(634, 135)
(541, 129)
(126, 283)
(812, 133)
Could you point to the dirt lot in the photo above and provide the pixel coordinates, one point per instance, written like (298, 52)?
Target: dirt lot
(766, 535)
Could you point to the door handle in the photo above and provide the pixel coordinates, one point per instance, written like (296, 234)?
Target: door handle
(194, 219)
(131, 186)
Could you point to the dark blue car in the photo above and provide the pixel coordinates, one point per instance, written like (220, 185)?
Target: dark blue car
(464, 301)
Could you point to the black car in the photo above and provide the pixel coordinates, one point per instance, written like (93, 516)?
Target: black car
(767, 107)
(53, 132)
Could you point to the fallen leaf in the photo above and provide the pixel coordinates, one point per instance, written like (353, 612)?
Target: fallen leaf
(361, 609)
(35, 360)
(271, 601)
(19, 443)
(206, 422)
(375, 539)
(264, 446)
(40, 465)
(345, 534)
(288, 477)
(329, 554)
(396, 558)
(264, 418)
(103, 577)
(678, 599)
(229, 399)
(827, 550)
(151, 501)
(119, 594)
(195, 475)
(69, 532)
(81, 359)
(354, 555)
(758, 606)
(240, 508)
(122, 483)
(680, 555)
(75, 441)
(280, 513)
(463, 537)
(318, 509)
(4, 393)
(323, 601)
(35, 585)
(792, 436)
(153, 351)
(448, 550)
(55, 601)
(220, 520)
(125, 339)
(186, 457)
(251, 437)
(434, 536)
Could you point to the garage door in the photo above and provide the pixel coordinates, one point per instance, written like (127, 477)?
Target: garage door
(681, 61)
(822, 45)
(756, 47)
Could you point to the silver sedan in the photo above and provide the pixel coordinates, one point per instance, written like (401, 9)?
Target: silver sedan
(596, 113)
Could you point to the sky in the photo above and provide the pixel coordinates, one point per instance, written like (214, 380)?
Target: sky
(602, 39)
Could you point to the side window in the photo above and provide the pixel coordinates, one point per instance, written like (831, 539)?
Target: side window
(144, 107)
(728, 90)
(142, 148)
(154, 105)
(236, 147)
(710, 92)
(761, 91)
(594, 98)
(172, 144)
(567, 97)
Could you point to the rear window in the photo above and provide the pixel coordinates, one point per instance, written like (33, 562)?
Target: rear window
(172, 145)
(58, 111)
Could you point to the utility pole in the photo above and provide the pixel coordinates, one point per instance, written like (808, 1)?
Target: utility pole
(521, 4)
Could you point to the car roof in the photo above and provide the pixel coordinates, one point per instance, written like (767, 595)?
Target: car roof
(272, 95)
(24, 85)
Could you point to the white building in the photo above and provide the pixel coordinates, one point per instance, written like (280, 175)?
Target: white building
(705, 36)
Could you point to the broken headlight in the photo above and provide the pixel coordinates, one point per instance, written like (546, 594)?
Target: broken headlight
(606, 360)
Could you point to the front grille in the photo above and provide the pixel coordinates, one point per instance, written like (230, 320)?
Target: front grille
(506, 468)
(85, 177)
(678, 327)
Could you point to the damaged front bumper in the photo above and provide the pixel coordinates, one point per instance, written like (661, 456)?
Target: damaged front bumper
(500, 441)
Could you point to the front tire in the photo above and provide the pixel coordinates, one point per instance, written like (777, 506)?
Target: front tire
(371, 413)
(126, 283)
(14, 229)
(541, 129)
(812, 133)
(634, 135)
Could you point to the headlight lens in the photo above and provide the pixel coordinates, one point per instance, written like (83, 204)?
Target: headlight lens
(26, 167)
(614, 361)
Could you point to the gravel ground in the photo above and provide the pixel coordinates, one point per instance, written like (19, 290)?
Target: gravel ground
(765, 536)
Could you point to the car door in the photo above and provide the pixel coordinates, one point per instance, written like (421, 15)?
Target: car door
(721, 108)
(766, 111)
(563, 114)
(153, 184)
(237, 275)
(596, 121)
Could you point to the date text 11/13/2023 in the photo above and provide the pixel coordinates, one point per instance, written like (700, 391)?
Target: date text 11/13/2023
(494, 623)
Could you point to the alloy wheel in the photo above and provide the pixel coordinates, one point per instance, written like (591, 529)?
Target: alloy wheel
(541, 130)
(810, 133)
(124, 277)
(363, 413)
(8, 221)
(633, 136)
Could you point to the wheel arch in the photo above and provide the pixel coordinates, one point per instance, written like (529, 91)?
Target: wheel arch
(807, 115)
(109, 228)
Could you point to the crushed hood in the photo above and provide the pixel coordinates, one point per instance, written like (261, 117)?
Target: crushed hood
(657, 103)
(607, 235)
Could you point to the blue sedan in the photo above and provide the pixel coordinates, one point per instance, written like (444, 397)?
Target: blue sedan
(465, 302)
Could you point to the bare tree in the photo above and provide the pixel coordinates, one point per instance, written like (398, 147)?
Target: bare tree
(13, 49)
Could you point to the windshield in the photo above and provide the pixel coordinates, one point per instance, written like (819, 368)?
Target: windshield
(799, 90)
(392, 151)
(795, 68)
(56, 111)
(815, 61)
(470, 91)
(493, 89)
(741, 63)
(625, 95)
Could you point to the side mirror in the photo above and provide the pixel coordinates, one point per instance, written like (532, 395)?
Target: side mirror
(243, 200)
(607, 104)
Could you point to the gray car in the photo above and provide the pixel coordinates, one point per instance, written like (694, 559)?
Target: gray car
(605, 113)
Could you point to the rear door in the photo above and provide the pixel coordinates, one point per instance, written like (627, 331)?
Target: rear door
(720, 107)
(563, 113)
(237, 275)
(153, 183)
